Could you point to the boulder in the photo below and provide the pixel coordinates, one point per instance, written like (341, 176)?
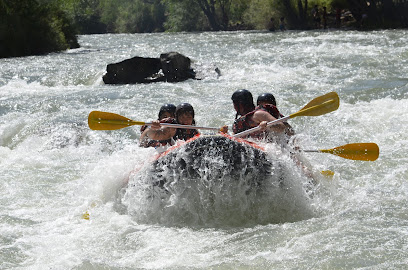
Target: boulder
(171, 67)
(133, 70)
(176, 67)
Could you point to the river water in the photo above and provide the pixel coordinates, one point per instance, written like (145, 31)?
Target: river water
(54, 168)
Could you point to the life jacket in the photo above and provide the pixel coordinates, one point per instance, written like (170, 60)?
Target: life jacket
(143, 128)
(181, 134)
(156, 143)
(185, 134)
(244, 122)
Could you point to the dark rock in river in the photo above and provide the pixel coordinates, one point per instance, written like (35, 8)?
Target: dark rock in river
(171, 67)
(176, 67)
(133, 70)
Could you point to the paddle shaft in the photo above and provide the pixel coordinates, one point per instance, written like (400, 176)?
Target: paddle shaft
(249, 131)
(318, 106)
(184, 126)
(131, 123)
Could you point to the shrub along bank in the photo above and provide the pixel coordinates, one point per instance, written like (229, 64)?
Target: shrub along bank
(28, 27)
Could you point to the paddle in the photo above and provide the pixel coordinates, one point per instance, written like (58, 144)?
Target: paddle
(318, 106)
(327, 173)
(111, 121)
(354, 151)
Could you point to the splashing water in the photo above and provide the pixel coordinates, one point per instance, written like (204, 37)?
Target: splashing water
(54, 168)
(214, 181)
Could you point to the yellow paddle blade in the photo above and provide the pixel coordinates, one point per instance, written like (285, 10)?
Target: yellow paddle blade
(355, 151)
(327, 173)
(86, 215)
(109, 121)
(320, 105)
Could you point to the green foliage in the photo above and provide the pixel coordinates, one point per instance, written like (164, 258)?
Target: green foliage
(40, 26)
(336, 4)
(158, 13)
(237, 10)
(134, 17)
(131, 16)
(184, 16)
(109, 12)
(28, 27)
(259, 13)
(201, 15)
(85, 14)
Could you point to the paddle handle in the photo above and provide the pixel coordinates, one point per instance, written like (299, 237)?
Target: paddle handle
(251, 130)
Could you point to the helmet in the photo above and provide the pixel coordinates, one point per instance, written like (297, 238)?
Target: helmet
(266, 97)
(184, 107)
(171, 108)
(242, 96)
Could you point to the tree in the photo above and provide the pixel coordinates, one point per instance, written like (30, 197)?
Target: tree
(259, 12)
(208, 7)
(216, 11)
(182, 16)
(374, 14)
(28, 27)
(295, 13)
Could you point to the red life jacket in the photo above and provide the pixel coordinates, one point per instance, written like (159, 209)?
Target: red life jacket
(185, 134)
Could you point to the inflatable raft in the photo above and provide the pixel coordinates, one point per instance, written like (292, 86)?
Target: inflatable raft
(214, 158)
(215, 181)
